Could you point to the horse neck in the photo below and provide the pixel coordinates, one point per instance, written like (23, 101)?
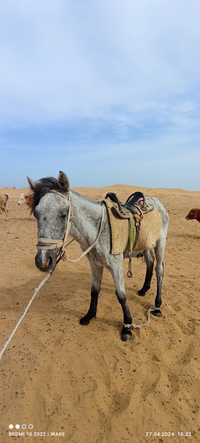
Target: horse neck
(86, 216)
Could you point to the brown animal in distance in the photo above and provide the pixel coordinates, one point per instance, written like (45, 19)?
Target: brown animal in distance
(194, 214)
(4, 203)
(27, 199)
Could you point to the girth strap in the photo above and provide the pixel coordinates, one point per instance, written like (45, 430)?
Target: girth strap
(134, 229)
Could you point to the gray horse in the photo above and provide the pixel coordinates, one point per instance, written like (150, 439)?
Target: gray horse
(90, 226)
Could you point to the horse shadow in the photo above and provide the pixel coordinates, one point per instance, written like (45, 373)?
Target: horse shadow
(63, 294)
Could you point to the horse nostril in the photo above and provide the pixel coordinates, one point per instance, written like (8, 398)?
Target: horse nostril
(50, 262)
(45, 260)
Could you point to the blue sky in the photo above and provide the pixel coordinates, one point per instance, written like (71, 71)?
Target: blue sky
(106, 90)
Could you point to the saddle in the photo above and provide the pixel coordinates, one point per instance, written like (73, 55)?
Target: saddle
(125, 220)
(135, 203)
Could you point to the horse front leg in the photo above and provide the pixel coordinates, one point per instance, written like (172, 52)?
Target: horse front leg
(97, 273)
(118, 277)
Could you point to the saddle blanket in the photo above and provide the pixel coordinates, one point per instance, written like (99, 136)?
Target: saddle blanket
(123, 230)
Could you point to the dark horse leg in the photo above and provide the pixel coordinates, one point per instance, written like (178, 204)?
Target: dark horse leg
(118, 277)
(149, 259)
(97, 272)
(159, 251)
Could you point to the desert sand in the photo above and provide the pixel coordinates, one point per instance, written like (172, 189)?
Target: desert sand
(83, 381)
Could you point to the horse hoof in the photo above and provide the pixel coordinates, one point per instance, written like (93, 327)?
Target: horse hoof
(143, 291)
(126, 334)
(156, 313)
(84, 320)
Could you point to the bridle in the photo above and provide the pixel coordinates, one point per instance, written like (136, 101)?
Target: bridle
(61, 245)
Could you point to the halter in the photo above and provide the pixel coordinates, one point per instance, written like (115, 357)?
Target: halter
(61, 245)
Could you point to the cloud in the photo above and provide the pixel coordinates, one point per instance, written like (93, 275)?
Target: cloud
(63, 58)
(106, 75)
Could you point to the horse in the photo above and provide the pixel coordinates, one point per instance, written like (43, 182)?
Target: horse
(58, 209)
(194, 214)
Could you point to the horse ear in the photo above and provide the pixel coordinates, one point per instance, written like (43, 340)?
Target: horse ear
(31, 183)
(63, 181)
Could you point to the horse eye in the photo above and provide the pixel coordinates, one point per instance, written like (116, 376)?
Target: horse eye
(63, 215)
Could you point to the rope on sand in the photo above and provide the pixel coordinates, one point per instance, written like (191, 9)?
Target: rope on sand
(35, 293)
(136, 326)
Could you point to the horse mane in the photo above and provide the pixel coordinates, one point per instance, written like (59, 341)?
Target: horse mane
(42, 187)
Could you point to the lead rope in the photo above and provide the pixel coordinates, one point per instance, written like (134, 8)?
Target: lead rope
(35, 293)
(149, 309)
(46, 278)
(64, 256)
(139, 326)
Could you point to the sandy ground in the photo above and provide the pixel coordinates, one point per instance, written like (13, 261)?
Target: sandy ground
(83, 381)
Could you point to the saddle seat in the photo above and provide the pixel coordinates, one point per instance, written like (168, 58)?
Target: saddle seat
(135, 205)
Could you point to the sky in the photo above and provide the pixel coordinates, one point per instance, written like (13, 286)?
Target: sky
(107, 91)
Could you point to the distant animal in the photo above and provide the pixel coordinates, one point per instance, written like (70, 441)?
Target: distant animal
(4, 203)
(29, 200)
(21, 200)
(58, 210)
(25, 199)
(194, 214)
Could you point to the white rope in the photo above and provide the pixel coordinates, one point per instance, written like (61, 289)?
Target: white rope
(139, 326)
(75, 260)
(48, 243)
(36, 290)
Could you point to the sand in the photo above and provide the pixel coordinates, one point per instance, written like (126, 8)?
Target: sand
(84, 381)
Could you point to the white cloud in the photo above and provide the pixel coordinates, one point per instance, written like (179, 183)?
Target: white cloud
(131, 64)
(64, 58)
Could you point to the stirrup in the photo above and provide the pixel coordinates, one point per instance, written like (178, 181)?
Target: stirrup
(129, 272)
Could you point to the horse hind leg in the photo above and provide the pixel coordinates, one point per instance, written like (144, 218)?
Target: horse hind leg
(149, 259)
(97, 273)
(160, 252)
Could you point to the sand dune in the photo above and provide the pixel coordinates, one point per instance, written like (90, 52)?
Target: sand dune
(84, 381)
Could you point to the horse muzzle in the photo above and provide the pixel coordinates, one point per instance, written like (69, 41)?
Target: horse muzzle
(45, 260)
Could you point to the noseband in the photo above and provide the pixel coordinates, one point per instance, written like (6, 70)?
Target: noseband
(60, 245)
